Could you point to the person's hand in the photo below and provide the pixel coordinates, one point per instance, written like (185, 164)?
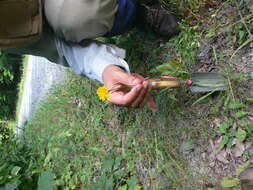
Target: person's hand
(117, 80)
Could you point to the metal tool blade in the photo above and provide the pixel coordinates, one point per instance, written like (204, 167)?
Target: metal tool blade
(206, 82)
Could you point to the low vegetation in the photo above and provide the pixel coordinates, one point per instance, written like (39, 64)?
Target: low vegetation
(77, 142)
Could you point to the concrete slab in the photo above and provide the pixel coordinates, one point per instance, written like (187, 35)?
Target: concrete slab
(41, 76)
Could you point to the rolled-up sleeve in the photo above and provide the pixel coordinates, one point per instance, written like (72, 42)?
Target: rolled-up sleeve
(91, 58)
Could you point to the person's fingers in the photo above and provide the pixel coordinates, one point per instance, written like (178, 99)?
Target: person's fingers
(151, 104)
(120, 98)
(139, 99)
(146, 97)
(127, 79)
(138, 76)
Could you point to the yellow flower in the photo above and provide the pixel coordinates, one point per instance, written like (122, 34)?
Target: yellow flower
(103, 93)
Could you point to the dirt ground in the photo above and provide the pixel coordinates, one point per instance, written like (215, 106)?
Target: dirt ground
(206, 157)
(220, 52)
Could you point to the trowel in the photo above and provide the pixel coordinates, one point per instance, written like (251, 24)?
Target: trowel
(198, 82)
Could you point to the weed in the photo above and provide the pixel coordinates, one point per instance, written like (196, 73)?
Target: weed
(235, 127)
(17, 166)
(113, 175)
(186, 45)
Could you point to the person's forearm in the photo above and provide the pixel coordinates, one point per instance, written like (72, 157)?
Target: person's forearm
(90, 58)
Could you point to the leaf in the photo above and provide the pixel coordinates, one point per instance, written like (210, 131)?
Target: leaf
(241, 135)
(224, 141)
(132, 183)
(137, 187)
(108, 164)
(242, 168)
(117, 162)
(233, 182)
(241, 35)
(13, 185)
(119, 174)
(171, 68)
(100, 183)
(124, 187)
(239, 149)
(15, 170)
(243, 122)
(46, 181)
(187, 146)
(224, 126)
(250, 127)
(240, 114)
(109, 183)
(235, 105)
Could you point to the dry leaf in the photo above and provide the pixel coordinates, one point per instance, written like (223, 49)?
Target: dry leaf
(217, 122)
(214, 147)
(239, 149)
(222, 156)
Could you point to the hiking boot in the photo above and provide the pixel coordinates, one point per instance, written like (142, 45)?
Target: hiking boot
(160, 20)
(246, 178)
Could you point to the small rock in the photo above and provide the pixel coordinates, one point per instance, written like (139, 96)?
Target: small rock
(205, 52)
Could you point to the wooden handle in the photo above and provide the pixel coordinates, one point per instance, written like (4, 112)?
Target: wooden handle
(164, 83)
(156, 84)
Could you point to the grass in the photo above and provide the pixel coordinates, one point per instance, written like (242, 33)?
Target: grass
(77, 142)
(21, 85)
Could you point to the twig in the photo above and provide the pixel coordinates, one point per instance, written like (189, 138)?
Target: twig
(203, 97)
(238, 21)
(215, 55)
(231, 88)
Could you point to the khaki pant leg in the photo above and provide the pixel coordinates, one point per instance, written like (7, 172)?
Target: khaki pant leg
(76, 20)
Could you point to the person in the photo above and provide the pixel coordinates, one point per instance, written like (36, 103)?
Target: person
(68, 38)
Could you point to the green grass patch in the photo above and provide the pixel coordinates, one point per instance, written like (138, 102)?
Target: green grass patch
(86, 144)
(21, 85)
